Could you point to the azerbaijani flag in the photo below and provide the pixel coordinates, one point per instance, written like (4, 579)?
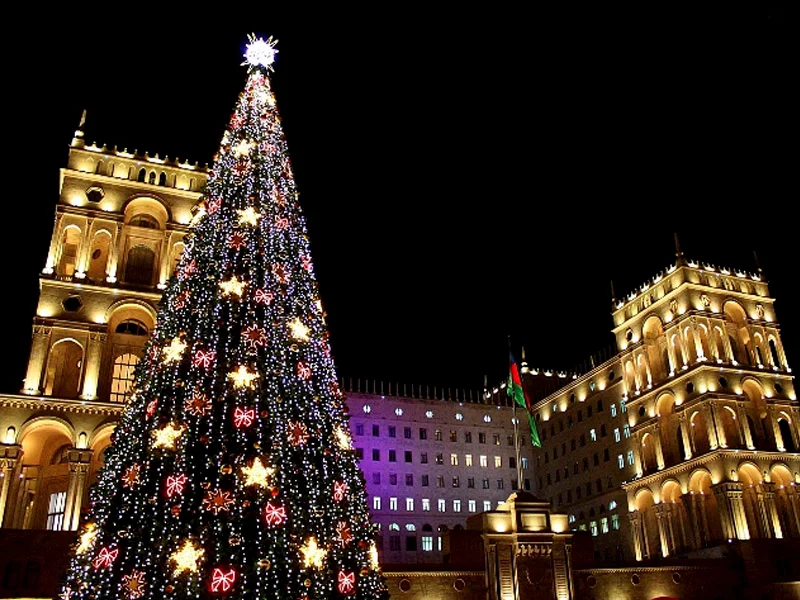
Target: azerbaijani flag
(517, 392)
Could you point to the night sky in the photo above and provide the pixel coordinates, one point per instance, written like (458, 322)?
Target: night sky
(465, 175)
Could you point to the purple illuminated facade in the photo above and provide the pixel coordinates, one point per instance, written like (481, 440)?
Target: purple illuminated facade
(430, 464)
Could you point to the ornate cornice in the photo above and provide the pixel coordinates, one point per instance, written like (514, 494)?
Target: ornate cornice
(85, 407)
(665, 569)
(420, 574)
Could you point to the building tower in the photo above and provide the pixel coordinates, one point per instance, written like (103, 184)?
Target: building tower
(119, 227)
(688, 437)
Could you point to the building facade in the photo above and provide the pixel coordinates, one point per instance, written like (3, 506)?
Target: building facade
(430, 458)
(686, 439)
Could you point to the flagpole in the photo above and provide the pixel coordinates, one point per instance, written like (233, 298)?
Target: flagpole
(516, 430)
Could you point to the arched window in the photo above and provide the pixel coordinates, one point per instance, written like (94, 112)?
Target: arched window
(64, 370)
(144, 220)
(142, 175)
(131, 327)
(122, 377)
(139, 266)
(162, 179)
(152, 179)
(773, 348)
(427, 527)
(69, 251)
(99, 256)
(786, 434)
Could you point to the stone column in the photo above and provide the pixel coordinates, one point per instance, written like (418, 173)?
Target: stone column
(39, 350)
(767, 491)
(94, 357)
(113, 254)
(698, 344)
(9, 456)
(687, 439)
(79, 460)
(731, 510)
(776, 430)
(684, 349)
(165, 255)
(659, 450)
(663, 534)
(690, 505)
(793, 501)
(636, 532)
(713, 346)
(721, 439)
(744, 426)
(730, 357)
(673, 360)
(713, 443)
(637, 455)
(82, 259)
(52, 254)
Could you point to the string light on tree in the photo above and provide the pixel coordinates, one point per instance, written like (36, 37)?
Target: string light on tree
(187, 558)
(299, 331)
(342, 438)
(243, 148)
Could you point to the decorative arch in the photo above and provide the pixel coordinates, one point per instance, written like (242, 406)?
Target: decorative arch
(700, 481)
(655, 345)
(101, 435)
(698, 429)
(69, 245)
(727, 418)
(114, 312)
(37, 423)
(64, 368)
(671, 490)
(98, 254)
(149, 205)
(737, 330)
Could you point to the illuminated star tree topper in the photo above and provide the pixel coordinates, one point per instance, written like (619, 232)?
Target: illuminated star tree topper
(260, 52)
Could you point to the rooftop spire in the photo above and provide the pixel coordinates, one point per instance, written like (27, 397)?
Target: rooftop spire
(758, 263)
(77, 138)
(613, 293)
(681, 260)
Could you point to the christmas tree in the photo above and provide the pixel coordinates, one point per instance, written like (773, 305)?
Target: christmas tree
(231, 473)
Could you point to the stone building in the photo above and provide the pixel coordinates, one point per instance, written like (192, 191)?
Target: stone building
(688, 437)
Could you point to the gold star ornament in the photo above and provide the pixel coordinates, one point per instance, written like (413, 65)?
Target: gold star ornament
(342, 438)
(248, 216)
(167, 436)
(174, 352)
(299, 331)
(232, 287)
(87, 538)
(257, 474)
(243, 378)
(187, 558)
(243, 148)
(313, 555)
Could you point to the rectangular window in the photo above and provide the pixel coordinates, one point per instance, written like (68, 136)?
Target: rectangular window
(623, 406)
(468, 437)
(359, 429)
(631, 459)
(439, 458)
(376, 454)
(605, 455)
(593, 528)
(470, 482)
(376, 503)
(394, 543)
(407, 433)
(425, 481)
(392, 478)
(392, 455)
(409, 479)
(411, 543)
(440, 481)
(524, 462)
(392, 503)
(468, 460)
(426, 505)
(456, 505)
(423, 458)
(487, 505)
(596, 458)
(453, 436)
(500, 484)
(55, 511)
(427, 543)
(360, 453)
(496, 439)
(441, 505)
(481, 437)
(485, 483)
(376, 478)
(454, 460)
(472, 506)
(604, 525)
(613, 409)
(438, 435)
(512, 462)
(409, 456)
(410, 504)
(392, 431)
(484, 461)
(439, 543)
(376, 431)
(593, 435)
(456, 482)
(617, 436)
(627, 431)
(423, 434)
(615, 522)
(621, 461)
(498, 462)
